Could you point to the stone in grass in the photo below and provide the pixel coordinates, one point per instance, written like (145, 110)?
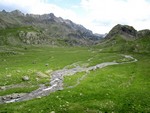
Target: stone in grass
(8, 75)
(46, 65)
(38, 97)
(52, 112)
(25, 78)
(2, 88)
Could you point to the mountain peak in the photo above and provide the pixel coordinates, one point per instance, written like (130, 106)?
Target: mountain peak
(3, 11)
(17, 13)
(52, 14)
(123, 30)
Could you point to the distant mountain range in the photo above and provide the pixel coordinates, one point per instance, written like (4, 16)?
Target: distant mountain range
(17, 28)
(44, 29)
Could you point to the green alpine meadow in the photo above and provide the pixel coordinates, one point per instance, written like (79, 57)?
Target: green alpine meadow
(52, 65)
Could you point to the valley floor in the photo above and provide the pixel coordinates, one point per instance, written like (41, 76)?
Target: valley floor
(115, 88)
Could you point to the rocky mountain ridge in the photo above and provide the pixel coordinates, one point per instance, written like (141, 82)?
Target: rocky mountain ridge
(127, 32)
(48, 26)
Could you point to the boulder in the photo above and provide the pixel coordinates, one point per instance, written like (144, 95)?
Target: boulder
(25, 78)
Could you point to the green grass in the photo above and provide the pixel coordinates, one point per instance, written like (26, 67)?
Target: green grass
(120, 88)
(14, 31)
(19, 90)
(72, 80)
(118, 44)
(29, 61)
(33, 59)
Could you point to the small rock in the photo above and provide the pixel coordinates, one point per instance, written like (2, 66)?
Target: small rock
(25, 78)
(46, 65)
(18, 96)
(8, 75)
(52, 111)
(38, 97)
(3, 98)
(2, 87)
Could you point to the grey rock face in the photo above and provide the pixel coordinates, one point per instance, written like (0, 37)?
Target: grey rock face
(124, 30)
(143, 33)
(127, 32)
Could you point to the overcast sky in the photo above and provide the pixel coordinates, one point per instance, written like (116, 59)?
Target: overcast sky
(97, 15)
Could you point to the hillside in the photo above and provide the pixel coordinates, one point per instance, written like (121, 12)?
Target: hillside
(125, 38)
(42, 29)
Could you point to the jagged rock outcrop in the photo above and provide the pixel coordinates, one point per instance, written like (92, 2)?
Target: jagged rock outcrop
(127, 32)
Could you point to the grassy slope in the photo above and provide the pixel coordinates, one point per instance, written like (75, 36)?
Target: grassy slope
(118, 44)
(31, 59)
(18, 62)
(119, 88)
(10, 36)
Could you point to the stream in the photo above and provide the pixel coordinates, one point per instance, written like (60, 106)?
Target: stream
(56, 82)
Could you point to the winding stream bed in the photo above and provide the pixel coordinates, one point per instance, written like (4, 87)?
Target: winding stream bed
(56, 82)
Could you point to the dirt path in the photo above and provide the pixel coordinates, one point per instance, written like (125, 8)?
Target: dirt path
(56, 82)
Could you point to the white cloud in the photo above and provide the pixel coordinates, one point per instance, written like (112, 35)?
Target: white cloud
(112, 12)
(97, 15)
